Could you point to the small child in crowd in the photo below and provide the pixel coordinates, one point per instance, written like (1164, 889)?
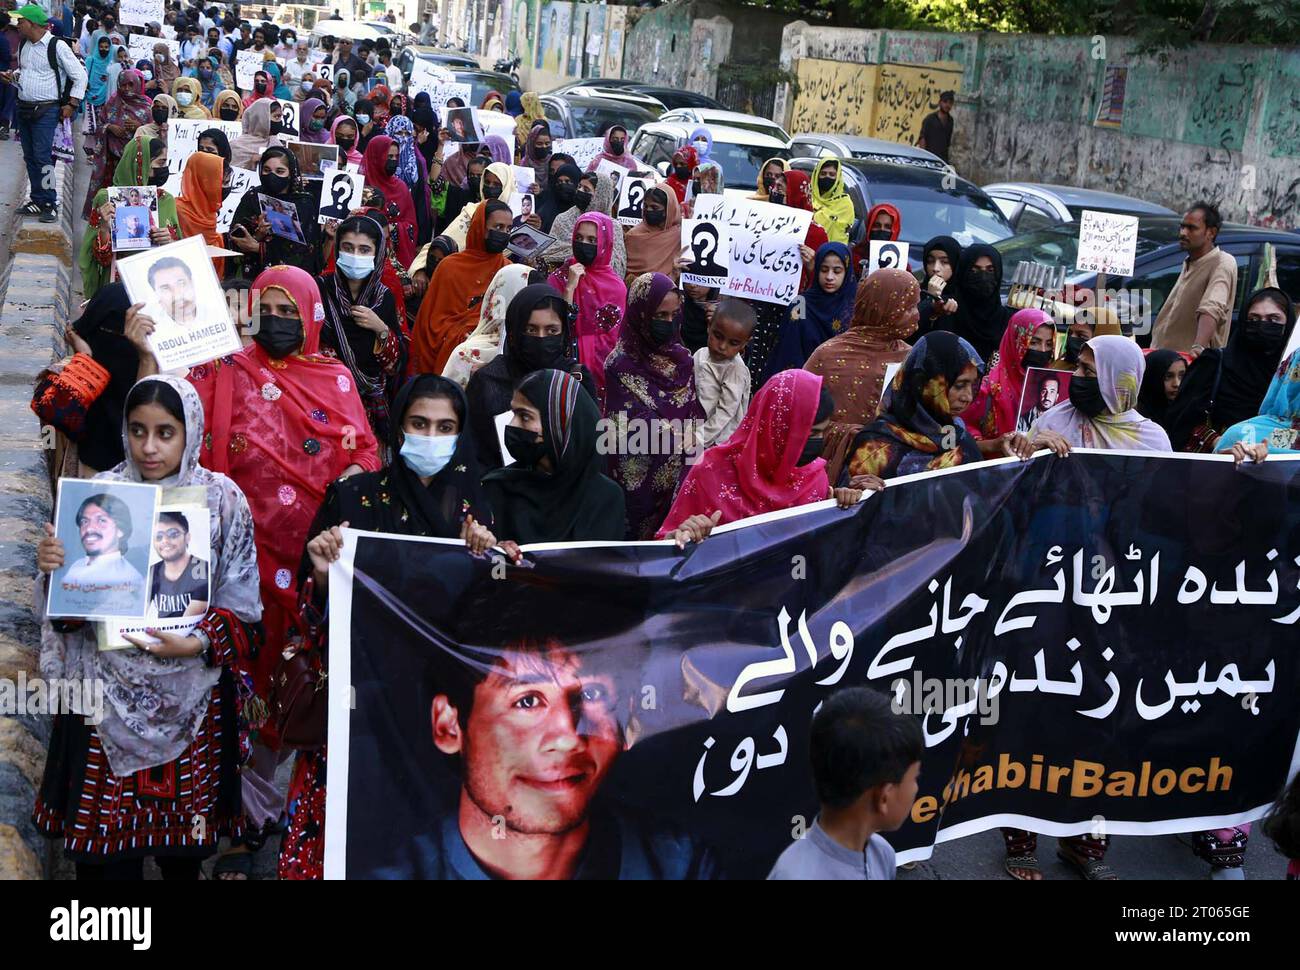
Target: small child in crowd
(721, 376)
(866, 760)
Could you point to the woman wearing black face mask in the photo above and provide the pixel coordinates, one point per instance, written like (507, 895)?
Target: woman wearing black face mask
(594, 193)
(144, 162)
(554, 490)
(1227, 385)
(650, 383)
(559, 194)
(539, 335)
(981, 318)
(251, 234)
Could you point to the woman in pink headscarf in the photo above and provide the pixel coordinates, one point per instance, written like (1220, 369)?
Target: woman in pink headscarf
(344, 134)
(1029, 341)
(596, 292)
(615, 150)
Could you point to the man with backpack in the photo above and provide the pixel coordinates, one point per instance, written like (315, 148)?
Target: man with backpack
(51, 83)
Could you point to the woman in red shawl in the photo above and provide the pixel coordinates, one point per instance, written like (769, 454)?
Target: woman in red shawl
(1028, 341)
(128, 108)
(770, 463)
(450, 309)
(381, 165)
(594, 290)
(883, 222)
(379, 97)
(283, 421)
(684, 161)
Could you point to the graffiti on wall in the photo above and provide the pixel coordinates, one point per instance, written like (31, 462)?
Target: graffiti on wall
(615, 28)
(1282, 106)
(834, 97)
(905, 94)
(1208, 106)
(1039, 82)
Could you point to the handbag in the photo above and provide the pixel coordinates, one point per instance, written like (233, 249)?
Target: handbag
(299, 699)
(63, 149)
(62, 399)
(1201, 439)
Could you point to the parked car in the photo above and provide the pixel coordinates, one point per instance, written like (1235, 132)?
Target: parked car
(396, 35)
(1034, 205)
(932, 202)
(575, 116)
(672, 98)
(351, 29)
(739, 151)
(821, 145)
(1157, 263)
(440, 56)
(586, 82)
(627, 95)
(712, 117)
(480, 82)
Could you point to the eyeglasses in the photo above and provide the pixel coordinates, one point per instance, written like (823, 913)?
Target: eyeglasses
(171, 534)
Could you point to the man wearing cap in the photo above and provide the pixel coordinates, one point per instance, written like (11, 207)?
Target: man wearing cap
(44, 97)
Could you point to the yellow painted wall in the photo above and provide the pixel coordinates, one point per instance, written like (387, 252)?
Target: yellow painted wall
(905, 94)
(879, 101)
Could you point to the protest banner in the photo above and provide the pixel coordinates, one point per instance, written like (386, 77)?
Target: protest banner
(1107, 243)
(139, 13)
(708, 246)
(766, 268)
(989, 600)
(139, 47)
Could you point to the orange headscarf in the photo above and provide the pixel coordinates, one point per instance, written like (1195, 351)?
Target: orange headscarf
(200, 201)
(451, 306)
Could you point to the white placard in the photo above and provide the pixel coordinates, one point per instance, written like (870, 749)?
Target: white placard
(581, 150)
(184, 300)
(340, 193)
(140, 13)
(1107, 243)
(886, 254)
(760, 218)
(241, 180)
(496, 123)
(499, 422)
(631, 196)
(289, 119)
(139, 47)
(440, 90)
(766, 268)
(525, 178)
(248, 63)
(708, 246)
(183, 138)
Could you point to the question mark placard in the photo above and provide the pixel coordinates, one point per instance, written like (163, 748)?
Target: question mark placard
(887, 254)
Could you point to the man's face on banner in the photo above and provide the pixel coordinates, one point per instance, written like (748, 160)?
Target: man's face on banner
(170, 541)
(175, 289)
(540, 739)
(99, 533)
(1049, 394)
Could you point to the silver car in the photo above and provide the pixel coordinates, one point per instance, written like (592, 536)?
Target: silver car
(819, 145)
(1030, 206)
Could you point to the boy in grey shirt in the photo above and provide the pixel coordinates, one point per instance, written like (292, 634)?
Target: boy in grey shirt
(865, 760)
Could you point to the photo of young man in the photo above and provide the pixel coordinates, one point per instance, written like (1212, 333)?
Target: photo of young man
(173, 283)
(178, 584)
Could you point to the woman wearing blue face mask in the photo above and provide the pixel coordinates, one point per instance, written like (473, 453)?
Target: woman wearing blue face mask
(361, 325)
(431, 488)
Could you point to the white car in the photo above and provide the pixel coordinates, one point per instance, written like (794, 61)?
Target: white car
(350, 29)
(825, 145)
(740, 152)
(731, 119)
(653, 105)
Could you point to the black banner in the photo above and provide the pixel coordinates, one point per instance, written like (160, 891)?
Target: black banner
(1104, 643)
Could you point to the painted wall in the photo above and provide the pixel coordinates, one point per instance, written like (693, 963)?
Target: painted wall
(1214, 122)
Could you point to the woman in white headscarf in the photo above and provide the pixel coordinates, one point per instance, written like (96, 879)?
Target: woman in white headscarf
(484, 342)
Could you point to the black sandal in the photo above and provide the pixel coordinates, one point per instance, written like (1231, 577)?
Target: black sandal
(237, 862)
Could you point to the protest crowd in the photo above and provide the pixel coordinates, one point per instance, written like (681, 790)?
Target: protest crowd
(403, 356)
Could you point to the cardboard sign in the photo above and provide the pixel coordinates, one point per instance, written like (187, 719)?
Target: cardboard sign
(1107, 243)
(139, 47)
(241, 180)
(340, 193)
(289, 124)
(140, 13)
(760, 218)
(247, 63)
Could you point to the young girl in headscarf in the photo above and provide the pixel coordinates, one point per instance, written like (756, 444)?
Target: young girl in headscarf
(702, 142)
(311, 126)
(822, 311)
(343, 132)
(171, 704)
(941, 256)
(127, 110)
(1161, 384)
(554, 490)
(165, 70)
(209, 78)
(591, 193)
(650, 378)
(412, 172)
(227, 106)
(162, 111)
(1277, 425)
(919, 429)
(484, 343)
(767, 176)
(884, 221)
(250, 233)
(772, 462)
(382, 161)
(832, 207)
(188, 97)
(450, 308)
(261, 89)
(615, 150)
(247, 149)
(597, 294)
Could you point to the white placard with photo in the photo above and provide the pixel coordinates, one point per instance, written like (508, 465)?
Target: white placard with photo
(181, 294)
(289, 127)
(283, 218)
(526, 242)
(631, 198)
(463, 123)
(1107, 243)
(105, 528)
(340, 193)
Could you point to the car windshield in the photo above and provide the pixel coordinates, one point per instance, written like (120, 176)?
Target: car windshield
(772, 131)
(594, 122)
(929, 211)
(480, 86)
(740, 163)
(1059, 245)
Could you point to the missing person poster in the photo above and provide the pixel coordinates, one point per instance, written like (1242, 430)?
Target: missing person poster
(707, 248)
(1044, 389)
(631, 195)
(182, 297)
(105, 528)
(638, 711)
(340, 193)
(131, 226)
(282, 216)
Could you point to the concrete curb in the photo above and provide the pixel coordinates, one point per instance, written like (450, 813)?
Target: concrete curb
(38, 283)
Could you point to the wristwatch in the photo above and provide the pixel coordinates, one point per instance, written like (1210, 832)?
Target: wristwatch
(1198, 348)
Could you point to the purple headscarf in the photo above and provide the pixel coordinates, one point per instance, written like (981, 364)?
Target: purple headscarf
(500, 150)
(305, 133)
(649, 383)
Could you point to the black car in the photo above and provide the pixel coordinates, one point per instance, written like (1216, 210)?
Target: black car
(574, 116)
(1156, 265)
(930, 202)
(673, 98)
